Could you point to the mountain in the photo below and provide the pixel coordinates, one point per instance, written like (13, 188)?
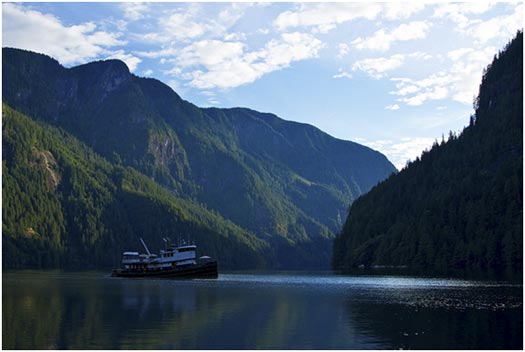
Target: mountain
(286, 183)
(65, 206)
(458, 208)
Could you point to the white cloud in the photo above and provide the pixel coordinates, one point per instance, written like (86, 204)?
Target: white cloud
(457, 54)
(291, 47)
(162, 53)
(130, 60)
(497, 27)
(402, 150)
(233, 13)
(458, 12)
(152, 37)
(433, 93)
(377, 67)
(342, 74)
(382, 40)
(410, 31)
(401, 10)
(459, 82)
(235, 36)
(175, 85)
(147, 73)
(192, 22)
(468, 72)
(343, 50)
(416, 92)
(212, 64)
(405, 89)
(134, 11)
(464, 15)
(418, 55)
(392, 107)
(209, 53)
(326, 16)
(324, 28)
(24, 28)
(182, 26)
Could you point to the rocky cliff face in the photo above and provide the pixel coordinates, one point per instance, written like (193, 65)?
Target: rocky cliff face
(99, 79)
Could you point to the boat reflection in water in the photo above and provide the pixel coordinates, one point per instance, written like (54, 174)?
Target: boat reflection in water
(173, 262)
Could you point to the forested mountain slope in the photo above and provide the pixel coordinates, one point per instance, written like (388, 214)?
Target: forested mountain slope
(287, 183)
(63, 205)
(460, 206)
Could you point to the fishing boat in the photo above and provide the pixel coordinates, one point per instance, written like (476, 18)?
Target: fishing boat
(173, 262)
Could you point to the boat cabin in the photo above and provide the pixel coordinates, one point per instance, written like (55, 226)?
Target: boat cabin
(171, 257)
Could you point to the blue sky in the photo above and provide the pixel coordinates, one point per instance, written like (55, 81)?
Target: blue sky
(393, 76)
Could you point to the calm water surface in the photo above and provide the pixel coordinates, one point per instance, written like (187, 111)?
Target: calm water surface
(89, 310)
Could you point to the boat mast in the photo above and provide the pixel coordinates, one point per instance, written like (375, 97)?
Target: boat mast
(145, 247)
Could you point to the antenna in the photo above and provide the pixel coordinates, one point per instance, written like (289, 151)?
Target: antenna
(145, 247)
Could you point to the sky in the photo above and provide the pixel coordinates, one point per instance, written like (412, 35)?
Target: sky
(393, 76)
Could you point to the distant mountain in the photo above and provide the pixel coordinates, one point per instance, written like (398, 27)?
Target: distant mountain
(459, 207)
(288, 184)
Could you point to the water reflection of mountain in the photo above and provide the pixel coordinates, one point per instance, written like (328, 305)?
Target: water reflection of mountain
(24, 308)
(58, 313)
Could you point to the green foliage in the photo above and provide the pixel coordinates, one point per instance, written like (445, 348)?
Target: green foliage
(458, 207)
(97, 210)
